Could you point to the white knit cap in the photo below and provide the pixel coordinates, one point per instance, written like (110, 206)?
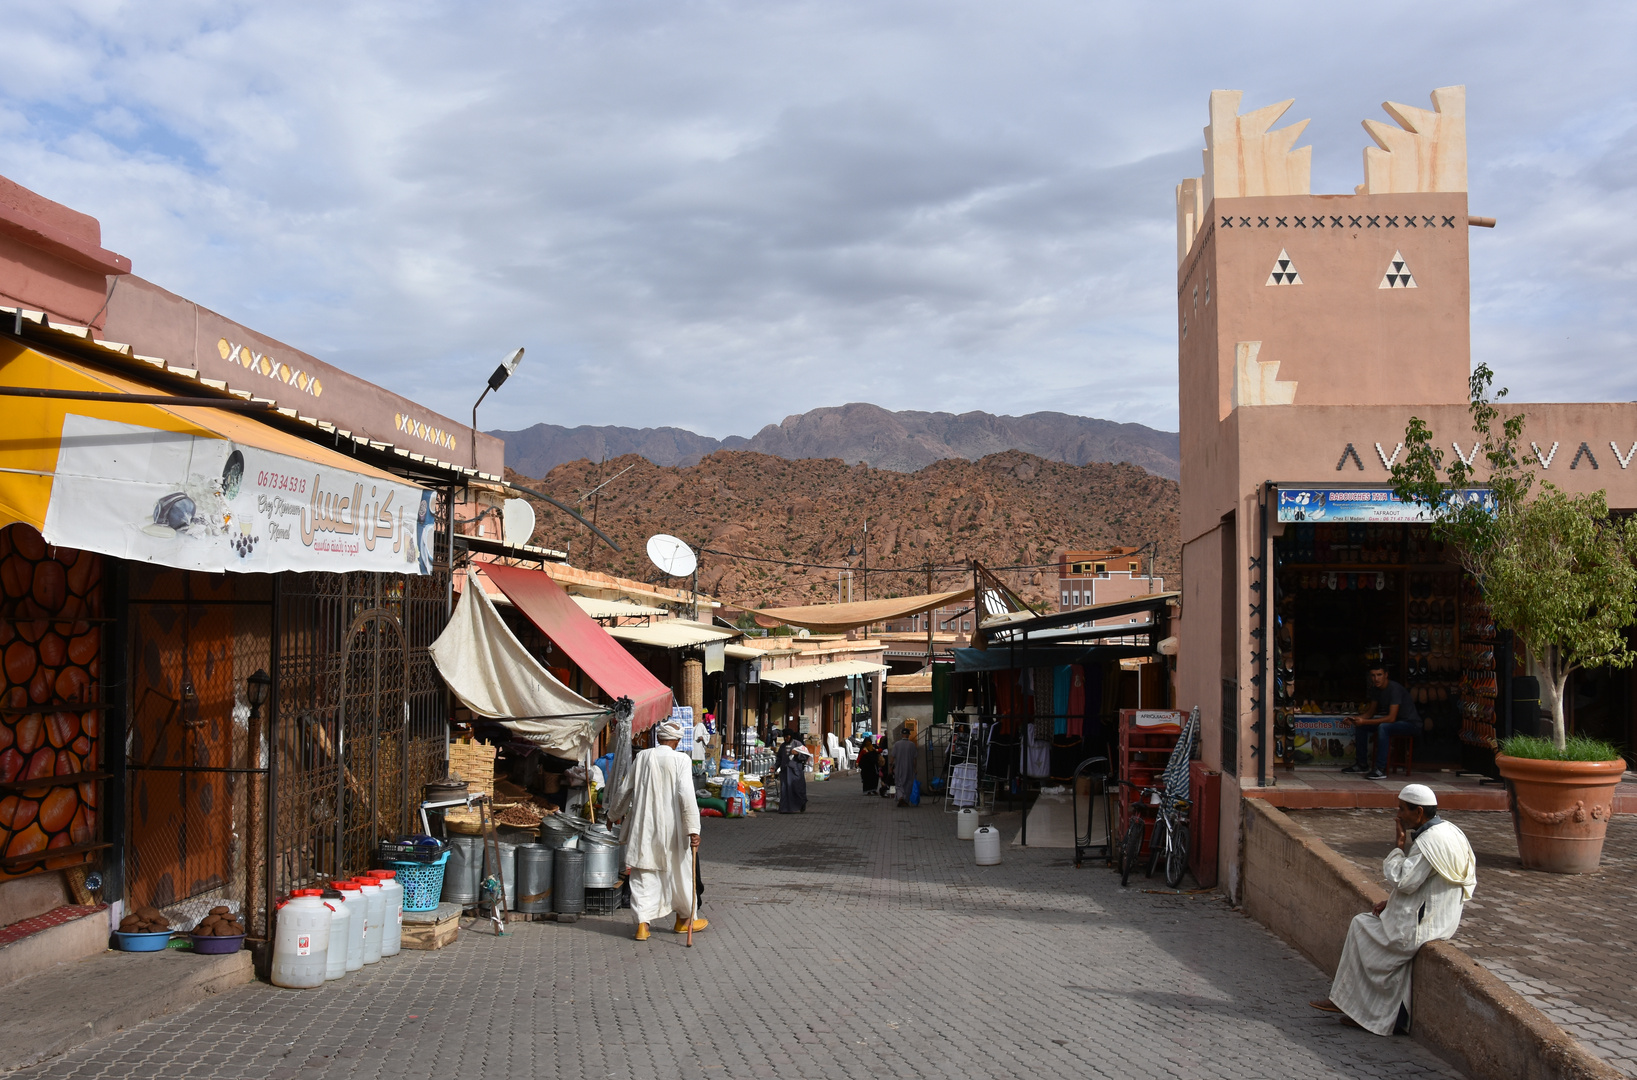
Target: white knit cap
(670, 729)
(1418, 795)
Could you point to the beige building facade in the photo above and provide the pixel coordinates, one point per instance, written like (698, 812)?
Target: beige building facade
(1311, 328)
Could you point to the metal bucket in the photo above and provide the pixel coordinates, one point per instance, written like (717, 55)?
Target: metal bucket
(557, 832)
(464, 869)
(534, 870)
(507, 870)
(602, 865)
(568, 882)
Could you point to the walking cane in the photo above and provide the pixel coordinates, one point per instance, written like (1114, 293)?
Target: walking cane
(693, 890)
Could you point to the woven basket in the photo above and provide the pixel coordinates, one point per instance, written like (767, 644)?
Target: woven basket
(460, 821)
(474, 762)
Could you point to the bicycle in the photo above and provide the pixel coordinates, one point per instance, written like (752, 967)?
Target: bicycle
(1168, 842)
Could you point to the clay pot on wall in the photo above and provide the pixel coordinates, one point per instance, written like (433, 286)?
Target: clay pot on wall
(1560, 810)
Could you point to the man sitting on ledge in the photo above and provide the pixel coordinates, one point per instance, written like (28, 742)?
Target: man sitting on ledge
(1431, 873)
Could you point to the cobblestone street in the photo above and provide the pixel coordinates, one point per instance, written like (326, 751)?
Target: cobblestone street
(1563, 941)
(856, 940)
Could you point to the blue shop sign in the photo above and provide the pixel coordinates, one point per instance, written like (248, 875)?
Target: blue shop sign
(1362, 504)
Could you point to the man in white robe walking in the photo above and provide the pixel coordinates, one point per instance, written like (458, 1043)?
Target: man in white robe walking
(1431, 874)
(660, 829)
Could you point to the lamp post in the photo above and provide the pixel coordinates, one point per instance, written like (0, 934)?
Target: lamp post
(507, 368)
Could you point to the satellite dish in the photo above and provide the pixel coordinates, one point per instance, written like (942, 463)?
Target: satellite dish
(516, 522)
(671, 555)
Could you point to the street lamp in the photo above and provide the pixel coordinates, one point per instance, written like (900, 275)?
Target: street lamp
(507, 368)
(256, 688)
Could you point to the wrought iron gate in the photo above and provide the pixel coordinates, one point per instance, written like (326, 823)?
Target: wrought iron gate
(359, 717)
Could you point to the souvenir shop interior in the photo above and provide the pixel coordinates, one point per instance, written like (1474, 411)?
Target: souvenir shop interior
(1351, 595)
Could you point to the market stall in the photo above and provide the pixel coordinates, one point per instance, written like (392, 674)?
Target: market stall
(1358, 581)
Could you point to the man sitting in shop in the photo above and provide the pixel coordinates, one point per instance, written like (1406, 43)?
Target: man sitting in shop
(1431, 874)
(1391, 711)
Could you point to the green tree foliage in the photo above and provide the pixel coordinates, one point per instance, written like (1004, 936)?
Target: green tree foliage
(1557, 568)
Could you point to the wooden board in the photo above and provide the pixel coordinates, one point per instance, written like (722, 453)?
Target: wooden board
(427, 936)
(445, 911)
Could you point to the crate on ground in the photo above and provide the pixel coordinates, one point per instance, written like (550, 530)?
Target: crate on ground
(432, 929)
(474, 762)
(603, 901)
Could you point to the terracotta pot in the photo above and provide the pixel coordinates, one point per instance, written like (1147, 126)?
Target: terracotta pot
(1560, 810)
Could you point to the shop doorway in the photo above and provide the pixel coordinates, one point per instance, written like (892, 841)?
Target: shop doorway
(195, 641)
(1352, 595)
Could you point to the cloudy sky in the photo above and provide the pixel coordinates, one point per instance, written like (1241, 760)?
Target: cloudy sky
(714, 214)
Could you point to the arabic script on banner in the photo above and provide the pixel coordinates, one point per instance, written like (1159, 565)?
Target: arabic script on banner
(201, 503)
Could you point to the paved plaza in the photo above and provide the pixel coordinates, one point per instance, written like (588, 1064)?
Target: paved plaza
(857, 940)
(1568, 943)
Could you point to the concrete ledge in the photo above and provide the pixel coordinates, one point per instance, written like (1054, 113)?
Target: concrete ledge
(53, 1012)
(54, 946)
(1296, 886)
(1361, 798)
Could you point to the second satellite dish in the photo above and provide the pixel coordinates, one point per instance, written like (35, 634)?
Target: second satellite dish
(516, 522)
(671, 555)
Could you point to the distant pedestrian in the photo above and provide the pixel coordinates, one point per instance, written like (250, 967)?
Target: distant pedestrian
(869, 766)
(791, 766)
(904, 753)
(885, 749)
(1432, 873)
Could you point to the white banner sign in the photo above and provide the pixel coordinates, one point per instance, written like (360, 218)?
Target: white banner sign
(209, 504)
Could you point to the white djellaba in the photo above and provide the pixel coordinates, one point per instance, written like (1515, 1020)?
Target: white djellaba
(1430, 883)
(656, 804)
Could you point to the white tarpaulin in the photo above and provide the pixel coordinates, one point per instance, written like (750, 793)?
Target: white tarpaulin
(202, 503)
(495, 676)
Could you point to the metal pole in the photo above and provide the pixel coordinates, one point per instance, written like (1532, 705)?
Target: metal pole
(930, 615)
(1263, 684)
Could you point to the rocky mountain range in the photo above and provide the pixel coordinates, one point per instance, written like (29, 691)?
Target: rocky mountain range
(861, 433)
(756, 517)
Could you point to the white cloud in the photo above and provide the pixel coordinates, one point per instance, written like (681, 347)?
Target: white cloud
(728, 211)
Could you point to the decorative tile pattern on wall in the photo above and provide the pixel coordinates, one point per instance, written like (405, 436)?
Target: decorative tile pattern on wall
(1398, 274)
(1338, 221)
(1284, 271)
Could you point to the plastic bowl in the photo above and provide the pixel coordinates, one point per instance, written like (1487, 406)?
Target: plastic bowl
(142, 942)
(210, 943)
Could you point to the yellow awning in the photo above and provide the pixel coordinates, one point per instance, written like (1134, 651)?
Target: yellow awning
(189, 486)
(839, 618)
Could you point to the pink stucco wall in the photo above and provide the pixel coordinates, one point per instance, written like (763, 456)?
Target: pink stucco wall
(1364, 360)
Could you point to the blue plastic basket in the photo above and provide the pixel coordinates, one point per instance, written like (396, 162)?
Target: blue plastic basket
(422, 882)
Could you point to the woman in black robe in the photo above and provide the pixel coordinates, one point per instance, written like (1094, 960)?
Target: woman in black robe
(869, 766)
(791, 766)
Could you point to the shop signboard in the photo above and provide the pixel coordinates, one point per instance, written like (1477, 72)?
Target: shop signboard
(1371, 505)
(1322, 740)
(203, 503)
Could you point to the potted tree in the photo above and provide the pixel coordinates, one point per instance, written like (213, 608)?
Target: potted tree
(1560, 572)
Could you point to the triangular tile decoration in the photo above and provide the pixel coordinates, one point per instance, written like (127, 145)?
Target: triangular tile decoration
(1284, 271)
(1398, 274)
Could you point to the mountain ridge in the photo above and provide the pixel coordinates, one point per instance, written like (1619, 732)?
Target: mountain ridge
(860, 433)
(782, 525)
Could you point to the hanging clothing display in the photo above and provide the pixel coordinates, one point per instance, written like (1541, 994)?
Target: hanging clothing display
(1075, 724)
(1037, 755)
(1062, 676)
(1043, 706)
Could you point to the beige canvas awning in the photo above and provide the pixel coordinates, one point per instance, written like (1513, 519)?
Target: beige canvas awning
(673, 634)
(812, 673)
(840, 618)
